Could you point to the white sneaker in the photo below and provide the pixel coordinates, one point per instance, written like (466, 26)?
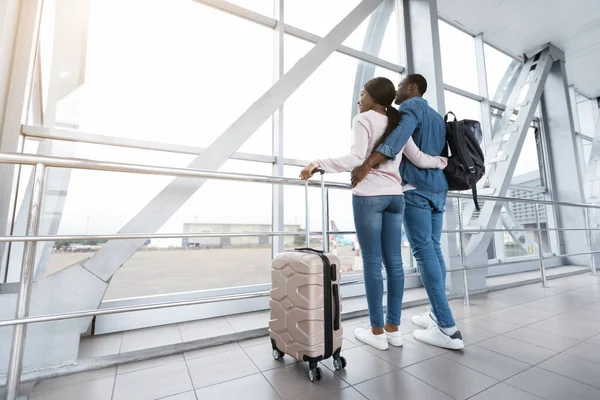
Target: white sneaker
(366, 336)
(424, 320)
(395, 338)
(435, 337)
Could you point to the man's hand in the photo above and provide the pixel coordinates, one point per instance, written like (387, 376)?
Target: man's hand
(360, 173)
(308, 171)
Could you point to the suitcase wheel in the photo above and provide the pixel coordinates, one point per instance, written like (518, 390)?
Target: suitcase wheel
(339, 363)
(314, 374)
(277, 355)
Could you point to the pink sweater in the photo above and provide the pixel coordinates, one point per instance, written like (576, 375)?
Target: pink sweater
(367, 128)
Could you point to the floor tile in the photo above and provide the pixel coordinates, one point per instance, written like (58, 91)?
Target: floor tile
(581, 321)
(362, 366)
(526, 309)
(209, 351)
(490, 324)
(154, 362)
(182, 396)
(99, 389)
(196, 330)
(399, 385)
(595, 340)
(544, 339)
(574, 368)
(551, 386)
(586, 351)
(262, 357)
(564, 329)
(584, 313)
(150, 337)
(551, 304)
(502, 391)
(487, 362)
(526, 352)
(514, 318)
(220, 368)
(404, 356)
(472, 335)
(254, 342)
(409, 338)
(346, 394)
(292, 382)
(504, 297)
(253, 387)
(450, 377)
(249, 321)
(100, 346)
(74, 379)
(153, 383)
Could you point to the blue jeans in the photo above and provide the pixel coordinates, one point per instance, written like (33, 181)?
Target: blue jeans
(424, 218)
(378, 222)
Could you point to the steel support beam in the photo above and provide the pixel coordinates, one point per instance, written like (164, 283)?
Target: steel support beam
(565, 166)
(378, 23)
(420, 43)
(277, 206)
(68, 60)
(18, 47)
(507, 143)
(158, 211)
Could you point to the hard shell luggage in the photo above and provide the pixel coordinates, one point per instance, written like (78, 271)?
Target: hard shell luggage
(305, 304)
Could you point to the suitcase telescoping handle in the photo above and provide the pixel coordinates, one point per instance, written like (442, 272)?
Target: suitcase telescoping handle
(325, 211)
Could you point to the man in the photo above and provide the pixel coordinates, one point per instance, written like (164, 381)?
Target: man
(425, 196)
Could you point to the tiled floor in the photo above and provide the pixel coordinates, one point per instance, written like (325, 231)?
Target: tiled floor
(523, 343)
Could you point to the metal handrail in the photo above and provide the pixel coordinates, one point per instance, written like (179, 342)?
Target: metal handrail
(41, 163)
(86, 164)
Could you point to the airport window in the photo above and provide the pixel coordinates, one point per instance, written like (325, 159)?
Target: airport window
(499, 69)
(459, 64)
(316, 16)
(168, 89)
(318, 116)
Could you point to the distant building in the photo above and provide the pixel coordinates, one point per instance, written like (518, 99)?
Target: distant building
(241, 241)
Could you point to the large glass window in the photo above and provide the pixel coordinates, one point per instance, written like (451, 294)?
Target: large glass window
(459, 63)
(588, 113)
(499, 68)
(264, 7)
(318, 116)
(315, 16)
(156, 76)
(381, 40)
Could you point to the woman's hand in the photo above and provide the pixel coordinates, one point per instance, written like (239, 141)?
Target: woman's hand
(308, 171)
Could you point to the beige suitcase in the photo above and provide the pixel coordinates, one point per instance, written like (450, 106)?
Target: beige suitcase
(306, 309)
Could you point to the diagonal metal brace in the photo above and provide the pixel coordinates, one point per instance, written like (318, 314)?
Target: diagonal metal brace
(158, 211)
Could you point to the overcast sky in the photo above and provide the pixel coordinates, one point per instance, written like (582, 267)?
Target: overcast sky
(176, 71)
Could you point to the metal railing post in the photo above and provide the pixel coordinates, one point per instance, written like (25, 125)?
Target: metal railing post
(325, 201)
(590, 241)
(17, 351)
(463, 262)
(540, 250)
(307, 214)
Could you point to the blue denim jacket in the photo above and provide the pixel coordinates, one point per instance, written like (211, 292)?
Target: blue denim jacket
(428, 130)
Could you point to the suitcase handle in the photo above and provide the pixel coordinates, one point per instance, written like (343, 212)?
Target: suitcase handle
(309, 249)
(336, 302)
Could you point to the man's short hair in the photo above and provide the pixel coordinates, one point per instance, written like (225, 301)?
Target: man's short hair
(419, 80)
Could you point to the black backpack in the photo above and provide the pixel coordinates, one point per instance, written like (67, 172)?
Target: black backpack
(466, 164)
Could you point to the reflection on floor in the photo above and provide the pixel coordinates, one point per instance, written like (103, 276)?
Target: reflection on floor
(521, 343)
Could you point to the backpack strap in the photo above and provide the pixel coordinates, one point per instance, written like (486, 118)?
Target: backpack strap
(466, 157)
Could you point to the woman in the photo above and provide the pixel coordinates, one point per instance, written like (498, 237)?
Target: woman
(378, 206)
